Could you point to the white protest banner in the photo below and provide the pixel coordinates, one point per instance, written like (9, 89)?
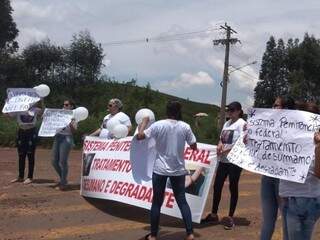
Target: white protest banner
(20, 99)
(279, 143)
(107, 174)
(54, 120)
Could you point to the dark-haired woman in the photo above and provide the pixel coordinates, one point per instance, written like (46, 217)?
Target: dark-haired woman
(230, 133)
(269, 190)
(27, 136)
(269, 193)
(63, 142)
(170, 136)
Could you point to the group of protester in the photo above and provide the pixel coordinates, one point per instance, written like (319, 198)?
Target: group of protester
(27, 138)
(299, 203)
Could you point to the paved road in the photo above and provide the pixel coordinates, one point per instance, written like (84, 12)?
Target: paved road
(38, 211)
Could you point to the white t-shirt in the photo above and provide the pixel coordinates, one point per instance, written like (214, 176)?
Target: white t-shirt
(170, 136)
(310, 188)
(230, 134)
(28, 119)
(123, 119)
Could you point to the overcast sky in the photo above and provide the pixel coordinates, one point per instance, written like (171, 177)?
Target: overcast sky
(190, 68)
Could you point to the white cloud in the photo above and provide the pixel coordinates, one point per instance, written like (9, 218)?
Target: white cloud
(216, 62)
(155, 61)
(246, 78)
(248, 103)
(25, 9)
(30, 35)
(106, 62)
(187, 80)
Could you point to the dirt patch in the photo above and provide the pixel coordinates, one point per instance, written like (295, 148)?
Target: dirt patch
(38, 211)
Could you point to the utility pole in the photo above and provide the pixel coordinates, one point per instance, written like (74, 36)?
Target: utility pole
(227, 41)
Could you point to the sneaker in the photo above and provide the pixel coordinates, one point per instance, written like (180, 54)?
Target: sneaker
(211, 218)
(190, 237)
(27, 181)
(229, 223)
(61, 187)
(17, 180)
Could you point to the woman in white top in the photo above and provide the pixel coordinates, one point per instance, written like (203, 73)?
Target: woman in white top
(63, 142)
(114, 108)
(170, 135)
(230, 133)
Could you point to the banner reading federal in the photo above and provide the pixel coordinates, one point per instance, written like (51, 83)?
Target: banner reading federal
(107, 174)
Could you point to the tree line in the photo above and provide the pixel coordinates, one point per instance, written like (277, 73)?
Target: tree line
(74, 71)
(291, 69)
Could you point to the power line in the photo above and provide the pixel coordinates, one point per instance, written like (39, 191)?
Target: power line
(164, 38)
(248, 74)
(238, 68)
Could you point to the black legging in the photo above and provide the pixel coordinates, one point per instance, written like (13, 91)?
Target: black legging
(26, 146)
(224, 170)
(178, 187)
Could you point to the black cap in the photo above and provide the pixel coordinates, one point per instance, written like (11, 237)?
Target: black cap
(234, 106)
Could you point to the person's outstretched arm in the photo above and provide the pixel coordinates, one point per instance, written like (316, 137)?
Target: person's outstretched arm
(142, 127)
(42, 107)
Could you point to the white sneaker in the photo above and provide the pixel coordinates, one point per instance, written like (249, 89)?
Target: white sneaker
(17, 180)
(27, 181)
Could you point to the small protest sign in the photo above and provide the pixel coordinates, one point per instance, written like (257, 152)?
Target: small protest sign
(54, 120)
(20, 99)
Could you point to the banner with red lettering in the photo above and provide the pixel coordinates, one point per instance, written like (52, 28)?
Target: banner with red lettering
(107, 174)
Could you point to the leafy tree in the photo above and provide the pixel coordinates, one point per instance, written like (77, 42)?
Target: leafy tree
(273, 74)
(8, 31)
(45, 62)
(84, 59)
(147, 98)
(304, 67)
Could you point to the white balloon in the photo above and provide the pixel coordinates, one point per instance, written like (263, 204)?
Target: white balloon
(42, 90)
(120, 131)
(80, 113)
(111, 123)
(142, 113)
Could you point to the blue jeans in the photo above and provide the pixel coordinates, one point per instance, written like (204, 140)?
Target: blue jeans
(269, 193)
(178, 187)
(300, 215)
(60, 152)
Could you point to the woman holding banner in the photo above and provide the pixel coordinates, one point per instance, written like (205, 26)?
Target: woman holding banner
(301, 202)
(269, 190)
(63, 142)
(27, 140)
(230, 133)
(114, 108)
(170, 136)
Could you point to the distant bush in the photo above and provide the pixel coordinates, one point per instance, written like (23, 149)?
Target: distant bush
(95, 97)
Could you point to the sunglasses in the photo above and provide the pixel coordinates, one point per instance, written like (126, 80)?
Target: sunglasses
(110, 105)
(66, 104)
(231, 110)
